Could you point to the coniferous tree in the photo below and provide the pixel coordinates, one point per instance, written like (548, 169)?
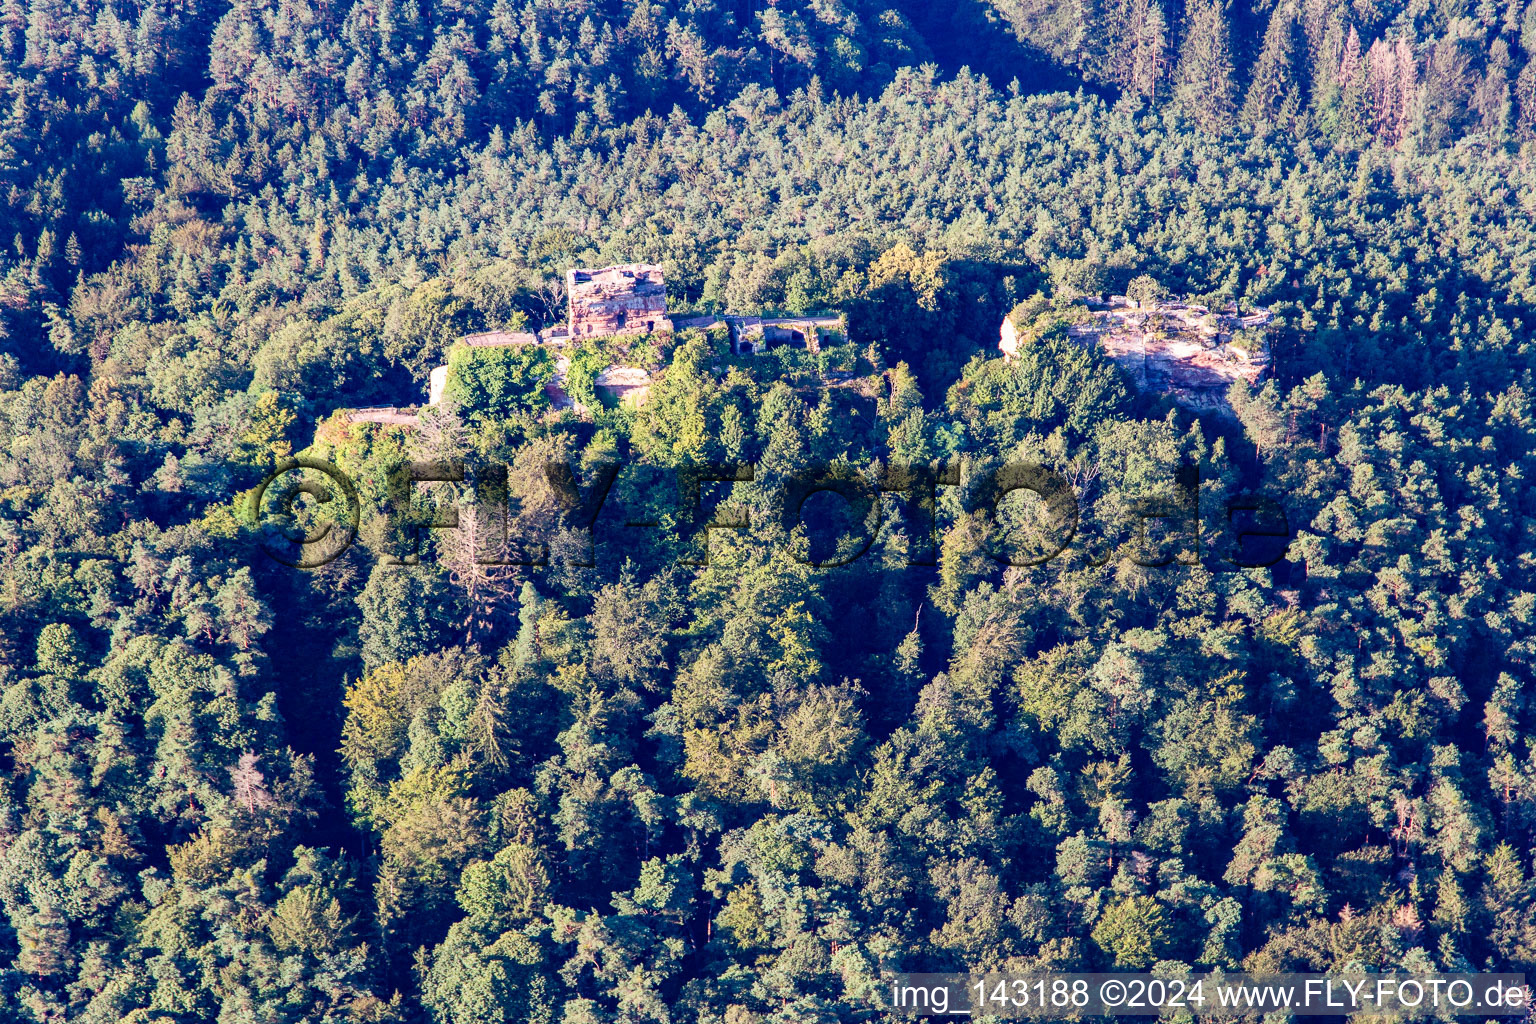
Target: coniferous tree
(1274, 88)
(653, 775)
(1205, 86)
(1065, 31)
(1445, 107)
(1492, 99)
(1140, 61)
(1392, 86)
(1525, 101)
(1327, 53)
(1353, 112)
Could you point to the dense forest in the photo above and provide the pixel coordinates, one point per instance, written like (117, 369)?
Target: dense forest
(737, 775)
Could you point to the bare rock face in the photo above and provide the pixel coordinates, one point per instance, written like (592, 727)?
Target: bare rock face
(1010, 339)
(1180, 349)
(627, 384)
(627, 299)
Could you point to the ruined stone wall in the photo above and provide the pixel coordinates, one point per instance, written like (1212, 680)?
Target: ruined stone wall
(626, 299)
(388, 415)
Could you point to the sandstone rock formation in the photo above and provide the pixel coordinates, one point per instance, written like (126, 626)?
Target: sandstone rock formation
(627, 299)
(1010, 340)
(1180, 349)
(631, 384)
(437, 383)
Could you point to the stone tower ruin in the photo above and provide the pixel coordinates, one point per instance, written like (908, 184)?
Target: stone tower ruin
(627, 299)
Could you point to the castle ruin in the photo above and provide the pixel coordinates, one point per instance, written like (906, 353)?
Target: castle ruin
(627, 299)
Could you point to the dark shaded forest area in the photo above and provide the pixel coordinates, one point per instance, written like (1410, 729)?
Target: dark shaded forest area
(628, 788)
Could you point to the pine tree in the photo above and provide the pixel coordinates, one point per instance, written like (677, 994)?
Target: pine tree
(1205, 88)
(1274, 74)
(249, 783)
(1350, 63)
(1391, 89)
(690, 53)
(1314, 16)
(1327, 58)
(1525, 98)
(1381, 94)
(1450, 82)
(43, 937)
(13, 25)
(1148, 29)
(1492, 100)
(1353, 111)
(1409, 97)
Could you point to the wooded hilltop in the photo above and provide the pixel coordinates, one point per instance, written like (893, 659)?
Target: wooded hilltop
(623, 788)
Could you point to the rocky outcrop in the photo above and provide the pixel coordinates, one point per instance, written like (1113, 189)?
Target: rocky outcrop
(1184, 350)
(1010, 339)
(627, 299)
(626, 384)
